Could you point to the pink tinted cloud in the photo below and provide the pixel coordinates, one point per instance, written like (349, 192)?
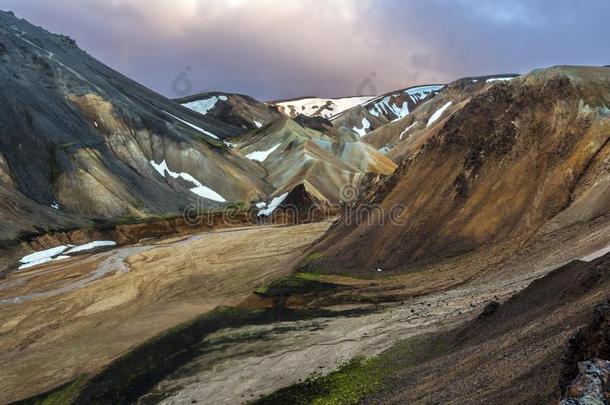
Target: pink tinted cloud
(275, 49)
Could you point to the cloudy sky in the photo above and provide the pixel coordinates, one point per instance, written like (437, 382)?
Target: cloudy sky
(286, 48)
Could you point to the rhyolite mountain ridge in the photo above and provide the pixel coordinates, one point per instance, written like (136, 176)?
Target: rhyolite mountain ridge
(81, 142)
(78, 139)
(494, 164)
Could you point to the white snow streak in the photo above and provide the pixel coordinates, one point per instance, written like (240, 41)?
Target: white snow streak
(323, 107)
(407, 129)
(273, 205)
(386, 106)
(91, 245)
(499, 79)
(260, 156)
(204, 106)
(199, 188)
(192, 126)
(365, 125)
(437, 114)
(43, 254)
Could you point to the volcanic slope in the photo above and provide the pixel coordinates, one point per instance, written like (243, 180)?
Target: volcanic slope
(329, 164)
(507, 165)
(81, 141)
(427, 110)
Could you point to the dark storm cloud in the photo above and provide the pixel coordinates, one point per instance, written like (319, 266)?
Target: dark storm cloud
(274, 49)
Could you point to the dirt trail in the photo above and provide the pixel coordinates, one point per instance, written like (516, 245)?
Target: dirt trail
(76, 315)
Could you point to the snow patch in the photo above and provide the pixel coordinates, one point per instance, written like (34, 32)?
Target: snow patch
(55, 205)
(407, 129)
(192, 126)
(261, 156)
(204, 106)
(499, 79)
(199, 188)
(91, 245)
(365, 125)
(261, 205)
(437, 114)
(36, 263)
(258, 124)
(273, 205)
(43, 254)
(322, 107)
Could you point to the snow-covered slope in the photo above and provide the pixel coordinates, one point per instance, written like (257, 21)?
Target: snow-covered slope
(233, 109)
(384, 109)
(397, 105)
(319, 107)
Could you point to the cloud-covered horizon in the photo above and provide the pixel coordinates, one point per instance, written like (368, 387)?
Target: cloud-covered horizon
(273, 49)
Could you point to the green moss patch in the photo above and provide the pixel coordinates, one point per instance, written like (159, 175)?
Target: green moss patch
(361, 378)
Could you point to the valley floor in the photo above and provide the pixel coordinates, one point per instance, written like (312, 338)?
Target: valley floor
(75, 316)
(63, 328)
(290, 352)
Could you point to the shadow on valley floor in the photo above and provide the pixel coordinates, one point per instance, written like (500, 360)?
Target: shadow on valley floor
(134, 374)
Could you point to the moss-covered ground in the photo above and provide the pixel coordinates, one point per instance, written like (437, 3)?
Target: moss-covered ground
(362, 377)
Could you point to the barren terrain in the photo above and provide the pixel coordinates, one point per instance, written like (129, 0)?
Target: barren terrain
(71, 317)
(289, 352)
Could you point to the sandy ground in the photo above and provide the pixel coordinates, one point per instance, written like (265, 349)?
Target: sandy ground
(70, 317)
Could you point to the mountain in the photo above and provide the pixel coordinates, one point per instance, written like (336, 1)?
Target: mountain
(326, 163)
(436, 244)
(386, 136)
(81, 141)
(235, 109)
(318, 107)
(383, 109)
(503, 164)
